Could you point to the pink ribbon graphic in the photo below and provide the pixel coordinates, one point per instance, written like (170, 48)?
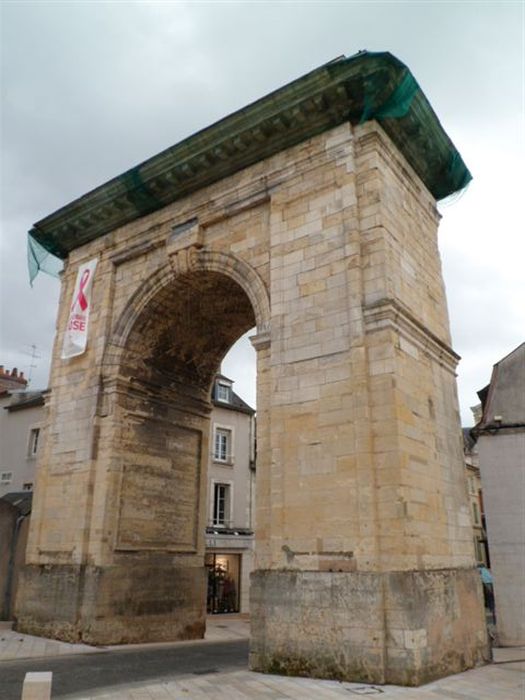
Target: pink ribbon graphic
(81, 297)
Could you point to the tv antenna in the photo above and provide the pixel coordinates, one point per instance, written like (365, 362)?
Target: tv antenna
(35, 355)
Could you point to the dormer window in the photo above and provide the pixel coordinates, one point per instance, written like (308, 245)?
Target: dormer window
(223, 392)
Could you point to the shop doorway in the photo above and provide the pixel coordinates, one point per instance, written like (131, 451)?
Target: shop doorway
(224, 578)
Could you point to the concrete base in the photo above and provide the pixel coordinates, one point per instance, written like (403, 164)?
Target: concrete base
(37, 686)
(402, 628)
(112, 605)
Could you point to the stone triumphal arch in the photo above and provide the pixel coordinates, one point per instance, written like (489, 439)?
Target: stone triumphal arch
(311, 216)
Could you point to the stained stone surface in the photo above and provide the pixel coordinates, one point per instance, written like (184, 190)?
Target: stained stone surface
(401, 628)
(329, 249)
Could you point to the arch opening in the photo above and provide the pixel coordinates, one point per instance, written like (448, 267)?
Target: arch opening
(180, 337)
(157, 513)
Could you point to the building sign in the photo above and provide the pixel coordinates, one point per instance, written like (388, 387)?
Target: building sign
(75, 339)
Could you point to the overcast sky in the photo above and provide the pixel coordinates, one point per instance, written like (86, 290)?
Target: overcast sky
(90, 89)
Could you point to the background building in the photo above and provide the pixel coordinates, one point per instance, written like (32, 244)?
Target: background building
(21, 416)
(231, 485)
(12, 380)
(501, 447)
(475, 493)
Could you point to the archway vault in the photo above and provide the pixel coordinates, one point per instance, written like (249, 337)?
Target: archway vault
(144, 552)
(182, 262)
(176, 330)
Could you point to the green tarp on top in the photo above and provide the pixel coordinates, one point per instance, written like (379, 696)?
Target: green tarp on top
(357, 89)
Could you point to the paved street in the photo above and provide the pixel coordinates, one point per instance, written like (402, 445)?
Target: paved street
(84, 674)
(481, 684)
(216, 669)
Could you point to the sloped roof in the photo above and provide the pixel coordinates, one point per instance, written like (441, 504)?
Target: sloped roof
(21, 500)
(236, 404)
(25, 399)
(504, 398)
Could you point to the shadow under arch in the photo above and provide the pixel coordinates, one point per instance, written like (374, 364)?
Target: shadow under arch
(177, 271)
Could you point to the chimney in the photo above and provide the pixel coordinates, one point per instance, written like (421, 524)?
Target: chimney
(12, 379)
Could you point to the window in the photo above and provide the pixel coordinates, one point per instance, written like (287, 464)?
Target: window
(221, 504)
(222, 449)
(223, 392)
(6, 477)
(479, 550)
(28, 486)
(34, 436)
(475, 513)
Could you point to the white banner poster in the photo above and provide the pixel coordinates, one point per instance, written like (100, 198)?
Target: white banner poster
(75, 338)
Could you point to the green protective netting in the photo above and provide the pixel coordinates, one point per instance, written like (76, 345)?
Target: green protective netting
(38, 258)
(395, 106)
(384, 100)
(366, 86)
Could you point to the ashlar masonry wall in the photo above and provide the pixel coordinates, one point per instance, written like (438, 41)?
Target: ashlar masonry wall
(366, 477)
(365, 567)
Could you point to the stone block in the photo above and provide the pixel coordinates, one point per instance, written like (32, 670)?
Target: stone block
(129, 603)
(402, 628)
(37, 685)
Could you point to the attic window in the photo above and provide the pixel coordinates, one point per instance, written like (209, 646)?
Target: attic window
(223, 392)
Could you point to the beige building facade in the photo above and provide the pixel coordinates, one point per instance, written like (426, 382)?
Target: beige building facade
(475, 493)
(310, 215)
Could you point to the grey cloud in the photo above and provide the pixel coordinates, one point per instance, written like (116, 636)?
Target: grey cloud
(91, 89)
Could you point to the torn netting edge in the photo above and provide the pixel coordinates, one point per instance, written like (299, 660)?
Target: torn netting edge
(38, 258)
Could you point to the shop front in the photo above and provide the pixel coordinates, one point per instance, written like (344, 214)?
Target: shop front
(229, 562)
(224, 580)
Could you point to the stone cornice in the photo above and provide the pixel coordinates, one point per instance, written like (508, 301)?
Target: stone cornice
(387, 313)
(135, 251)
(356, 89)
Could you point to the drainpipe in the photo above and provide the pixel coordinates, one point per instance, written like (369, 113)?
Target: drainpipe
(11, 567)
(251, 471)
